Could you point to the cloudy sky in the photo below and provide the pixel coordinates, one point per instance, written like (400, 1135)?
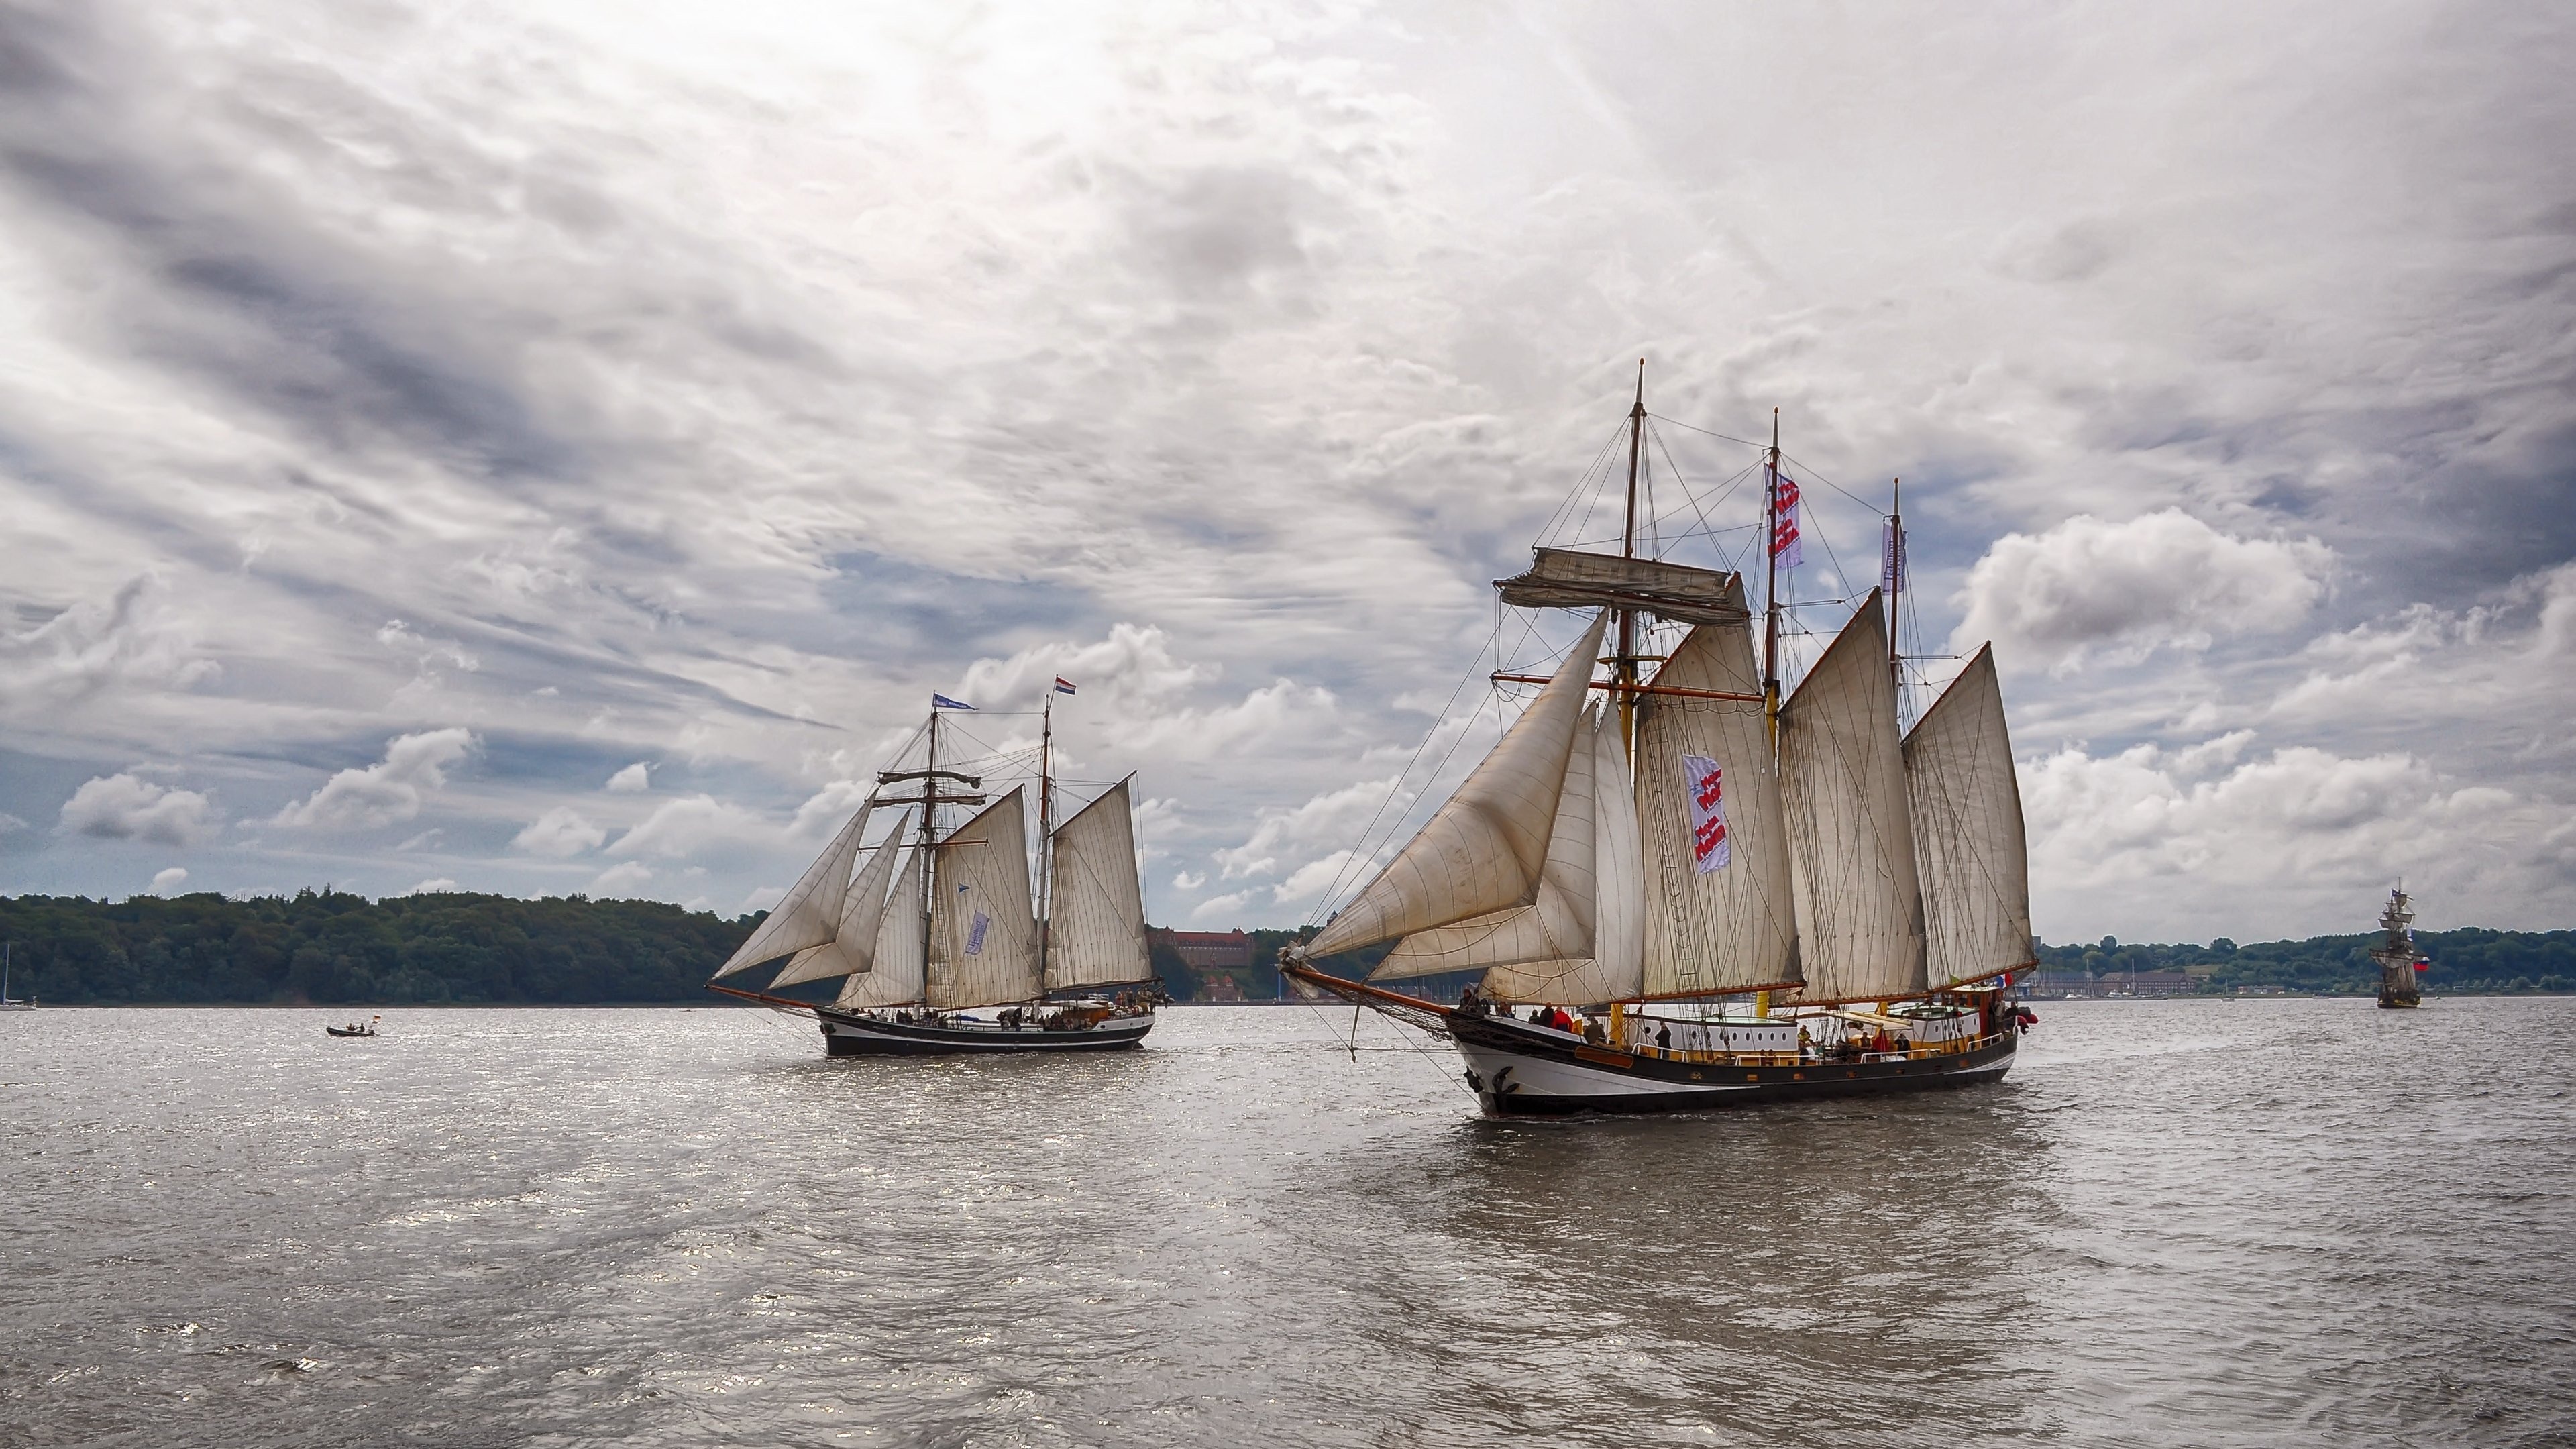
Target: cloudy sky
(549, 447)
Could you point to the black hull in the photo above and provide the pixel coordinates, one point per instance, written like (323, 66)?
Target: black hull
(853, 1035)
(1520, 1070)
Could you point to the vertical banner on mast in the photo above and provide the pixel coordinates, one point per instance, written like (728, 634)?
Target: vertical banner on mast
(1787, 550)
(1891, 561)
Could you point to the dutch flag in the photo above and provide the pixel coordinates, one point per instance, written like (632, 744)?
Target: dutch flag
(1063, 685)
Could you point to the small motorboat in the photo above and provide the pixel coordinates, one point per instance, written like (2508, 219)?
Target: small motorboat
(355, 1028)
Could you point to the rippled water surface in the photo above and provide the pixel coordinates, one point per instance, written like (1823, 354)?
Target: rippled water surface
(2190, 1223)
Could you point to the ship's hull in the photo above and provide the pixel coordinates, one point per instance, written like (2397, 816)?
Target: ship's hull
(1521, 1070)
(2391, 1001)
(851, 1034)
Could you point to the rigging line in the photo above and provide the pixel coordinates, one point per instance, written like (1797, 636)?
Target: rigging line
(1804, 475)
(1398, 786)
(1689, 496)
(1566, 506)
(1705, 432)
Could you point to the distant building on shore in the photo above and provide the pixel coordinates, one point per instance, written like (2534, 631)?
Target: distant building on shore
(1210, 950)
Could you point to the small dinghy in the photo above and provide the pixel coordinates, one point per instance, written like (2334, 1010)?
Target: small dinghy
(354, 1029)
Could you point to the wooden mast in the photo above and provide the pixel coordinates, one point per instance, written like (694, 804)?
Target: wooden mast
(1046, 831)
(1895, 582)
(929, 844)
(1627, 662)
(1770, 618)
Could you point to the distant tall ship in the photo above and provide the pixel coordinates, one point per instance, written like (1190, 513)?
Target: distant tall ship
(1702, 893)
(2398, 959)
(941, 919)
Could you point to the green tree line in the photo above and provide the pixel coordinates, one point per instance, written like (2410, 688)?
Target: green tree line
(331, 947)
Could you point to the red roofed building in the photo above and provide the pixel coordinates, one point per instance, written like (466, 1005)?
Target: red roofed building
(1210, 950)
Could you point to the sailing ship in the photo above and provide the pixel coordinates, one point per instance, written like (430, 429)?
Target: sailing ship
(2398, 959)
(1705, 893)
(8, 951)
(934, 920)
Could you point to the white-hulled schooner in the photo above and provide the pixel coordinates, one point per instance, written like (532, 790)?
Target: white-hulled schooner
(1741, 898)
(935, 922)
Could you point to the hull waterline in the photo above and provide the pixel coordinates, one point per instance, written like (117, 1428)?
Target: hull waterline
(1521, 1070)
(848, 1034)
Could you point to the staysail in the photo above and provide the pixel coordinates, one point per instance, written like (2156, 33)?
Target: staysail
(1484, 849)
(1592, 876)
(1096, 905)
(854, 939)
(1968, 839)
(1718, 910)
(983, 926)
(895, 977)
(1851, 837)
(811, 911)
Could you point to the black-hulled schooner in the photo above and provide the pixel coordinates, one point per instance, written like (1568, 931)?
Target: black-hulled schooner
(1703, 893)
(933, 919)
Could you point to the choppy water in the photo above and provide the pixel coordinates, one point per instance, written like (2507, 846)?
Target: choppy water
(2202, 1223)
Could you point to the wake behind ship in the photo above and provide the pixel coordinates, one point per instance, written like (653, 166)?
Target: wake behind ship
(1702, 894)
(940, 920)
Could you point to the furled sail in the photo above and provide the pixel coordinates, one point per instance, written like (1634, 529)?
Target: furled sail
(1851, 838)
(1718, 909)
(983, 927)
(1096, 906)
(895, 975)
(809, 913)
(854, 940)
(1968, 840)
(1564, 578)
(1592, 860)
(1483, 850)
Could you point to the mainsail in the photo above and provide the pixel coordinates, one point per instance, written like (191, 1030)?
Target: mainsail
(1485, 848)
(895, 977)
(1968, 839)
(854, 939)
(1731, 926)
(1095, 904)
(1851, 837)
(983, 926)
(810, 913)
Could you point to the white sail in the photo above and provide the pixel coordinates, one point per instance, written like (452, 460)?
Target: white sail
(1968, 840)
(1733, 926)
(1484, 849)
(984, 930)
(810, 912)
(1604, 965)
(1096, 907)
(1851, 838)
(854, 940)
(895, 974)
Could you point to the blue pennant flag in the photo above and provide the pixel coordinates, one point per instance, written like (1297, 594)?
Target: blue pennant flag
(941, 701)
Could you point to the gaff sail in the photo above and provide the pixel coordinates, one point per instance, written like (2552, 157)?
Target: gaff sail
(1851, 835)
(1968, 840)
(1095, 904)
(983, 924)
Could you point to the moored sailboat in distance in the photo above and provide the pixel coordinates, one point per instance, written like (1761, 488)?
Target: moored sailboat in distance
(1741, 897)
(8, 951)
(930, 922)
(2398, 959)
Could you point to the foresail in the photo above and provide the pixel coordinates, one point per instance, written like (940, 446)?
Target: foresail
(983, 925)
(1556, 927)
(1851, 837)
(809, 912)
(1610, 971)
(1968, 834)
(1483, 850)
(1719, 915)
(1096, 906)
(894, 978)
(854, 939)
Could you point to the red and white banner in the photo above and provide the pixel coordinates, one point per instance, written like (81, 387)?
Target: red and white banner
(1710, 847)
(1786, 548)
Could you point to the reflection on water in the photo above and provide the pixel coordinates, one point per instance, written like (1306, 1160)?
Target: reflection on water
(2203, 1223)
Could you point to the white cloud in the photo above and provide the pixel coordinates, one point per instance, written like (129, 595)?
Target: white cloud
(166, 881)
(1332, 820)
(1188, 880)
(2160, 580)
(1134, 665)
(1307, 883)
(634, 779)
(828, 809)
(621, 880)
(128, 807)
(431, 887)
(681, 828)
(388, 791)
(761, 899)
(135, 637)
(559, 832)
(1220, 908)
